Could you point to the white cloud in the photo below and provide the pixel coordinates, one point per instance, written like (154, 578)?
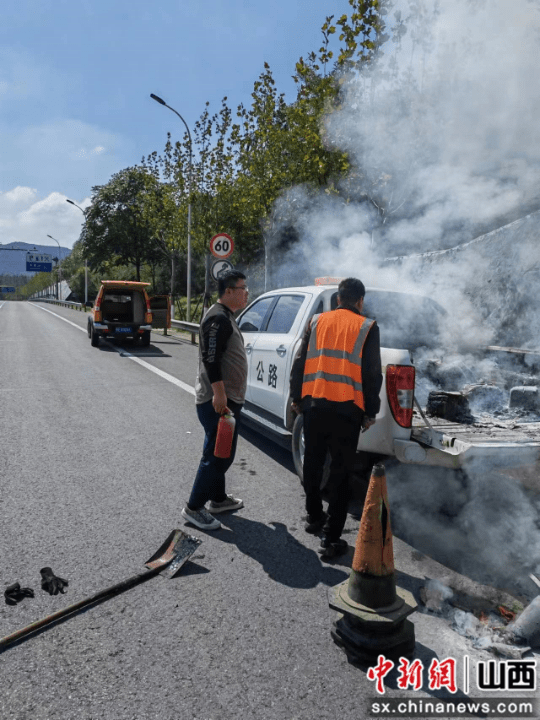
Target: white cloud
(17, 196)
(26, 217)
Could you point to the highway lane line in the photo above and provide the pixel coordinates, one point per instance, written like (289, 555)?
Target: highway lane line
(59, 316)
(170, 378)
(157, 371)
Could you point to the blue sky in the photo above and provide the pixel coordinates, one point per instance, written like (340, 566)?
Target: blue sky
(75, 81)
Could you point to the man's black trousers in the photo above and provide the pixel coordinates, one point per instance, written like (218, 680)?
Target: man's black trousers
(326, 430)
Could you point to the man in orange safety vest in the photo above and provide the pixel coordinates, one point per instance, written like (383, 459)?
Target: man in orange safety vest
(335, 382)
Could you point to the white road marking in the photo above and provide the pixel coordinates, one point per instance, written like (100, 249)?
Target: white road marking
(59, 316)
(157, 371)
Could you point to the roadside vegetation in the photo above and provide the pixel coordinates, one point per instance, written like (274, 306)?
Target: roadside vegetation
(243, 161)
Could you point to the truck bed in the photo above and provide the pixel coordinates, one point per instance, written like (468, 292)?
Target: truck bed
(492, 431)
(493, 442)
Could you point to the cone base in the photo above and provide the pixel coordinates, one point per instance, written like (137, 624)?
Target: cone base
(364, 647)
(405, 604)
(373, 591)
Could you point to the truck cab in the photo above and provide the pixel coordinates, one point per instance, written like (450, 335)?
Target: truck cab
(273, 326)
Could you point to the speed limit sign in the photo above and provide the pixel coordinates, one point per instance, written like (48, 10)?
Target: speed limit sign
(221, 246)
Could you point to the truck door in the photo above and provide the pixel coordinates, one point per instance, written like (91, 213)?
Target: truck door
(160, 305)
(271, 356)
(250, 325)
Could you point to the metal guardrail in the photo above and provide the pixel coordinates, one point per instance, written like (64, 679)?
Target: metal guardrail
(193, 328)
(77, 306)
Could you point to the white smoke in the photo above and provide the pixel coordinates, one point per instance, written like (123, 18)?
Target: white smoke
(444, 140)
(483, 524)
(446, 125)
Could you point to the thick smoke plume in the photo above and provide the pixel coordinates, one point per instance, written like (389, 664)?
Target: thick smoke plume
(445, 145)
(445, 127)
(482, 524)
(444, 139)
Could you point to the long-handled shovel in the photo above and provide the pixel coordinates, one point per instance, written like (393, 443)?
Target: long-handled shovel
(174, 552)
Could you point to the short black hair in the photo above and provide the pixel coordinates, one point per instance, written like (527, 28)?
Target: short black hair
(229, 280)
(350, 291)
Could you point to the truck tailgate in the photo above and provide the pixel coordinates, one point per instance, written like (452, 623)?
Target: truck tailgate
(450, 444)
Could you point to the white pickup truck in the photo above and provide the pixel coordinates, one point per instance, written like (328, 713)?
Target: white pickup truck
(273, 326)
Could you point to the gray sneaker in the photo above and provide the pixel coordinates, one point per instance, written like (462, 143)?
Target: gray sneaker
(230, 503)
(201, 518)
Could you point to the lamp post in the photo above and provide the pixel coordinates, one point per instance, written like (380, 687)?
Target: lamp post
(162, 102)
(85, 261)
(59, 268)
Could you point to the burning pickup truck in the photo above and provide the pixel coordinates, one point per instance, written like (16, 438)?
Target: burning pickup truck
(273, 326)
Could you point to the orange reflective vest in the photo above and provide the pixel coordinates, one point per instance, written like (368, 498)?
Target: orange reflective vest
(333, 368)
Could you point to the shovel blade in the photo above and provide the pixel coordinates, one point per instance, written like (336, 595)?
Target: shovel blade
(174, 552)
(184, 549)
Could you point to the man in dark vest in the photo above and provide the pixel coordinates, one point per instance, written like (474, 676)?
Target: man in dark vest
(335, 382)
(220, 388)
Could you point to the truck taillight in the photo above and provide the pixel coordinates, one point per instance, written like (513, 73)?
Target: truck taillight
(97, 314)
(400, 392)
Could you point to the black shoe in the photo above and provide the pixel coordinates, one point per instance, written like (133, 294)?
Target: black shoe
(330, 549)
(313, 526)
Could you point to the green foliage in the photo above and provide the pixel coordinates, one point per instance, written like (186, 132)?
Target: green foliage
(73, 271)
(123, 222)
(38, 282)
(235, 166)
(363, 33)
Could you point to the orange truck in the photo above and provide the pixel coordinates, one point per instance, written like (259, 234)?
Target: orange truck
(123, 309)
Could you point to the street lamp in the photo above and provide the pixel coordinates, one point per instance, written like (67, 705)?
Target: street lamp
(59, 268)
(162, 102)
(85, 261)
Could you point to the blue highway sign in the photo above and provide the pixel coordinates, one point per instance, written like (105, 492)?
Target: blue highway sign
(38, 262)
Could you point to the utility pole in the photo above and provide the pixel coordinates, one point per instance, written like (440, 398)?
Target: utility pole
(188, 309)
(85, 262)
(59, 268)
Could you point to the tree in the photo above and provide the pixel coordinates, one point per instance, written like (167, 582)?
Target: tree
(120, 229)
(74, 271)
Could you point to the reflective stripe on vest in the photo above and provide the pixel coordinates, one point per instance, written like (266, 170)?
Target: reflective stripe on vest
(333, 368)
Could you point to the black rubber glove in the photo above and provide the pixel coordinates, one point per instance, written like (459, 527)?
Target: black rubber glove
(52, 584)
(15, 593)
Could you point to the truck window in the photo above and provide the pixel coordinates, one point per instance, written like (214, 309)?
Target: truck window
(319, 309)
(405, 320)
(253, 318)
(284, 313)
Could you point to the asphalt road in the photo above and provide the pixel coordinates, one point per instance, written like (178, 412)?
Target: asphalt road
(98, 451)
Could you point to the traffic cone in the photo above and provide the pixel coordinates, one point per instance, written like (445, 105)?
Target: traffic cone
(373, 609)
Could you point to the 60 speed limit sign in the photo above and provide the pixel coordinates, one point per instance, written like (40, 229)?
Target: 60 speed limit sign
(221, 246)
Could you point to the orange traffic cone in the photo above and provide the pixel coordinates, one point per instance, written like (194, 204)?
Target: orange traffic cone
(374, 610)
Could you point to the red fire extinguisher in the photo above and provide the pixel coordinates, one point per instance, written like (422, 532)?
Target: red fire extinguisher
(225, 434)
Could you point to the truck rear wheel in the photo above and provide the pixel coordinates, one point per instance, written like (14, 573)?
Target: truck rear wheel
(94, 337)
(298, 450)
(145, 338)
(359, 480)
